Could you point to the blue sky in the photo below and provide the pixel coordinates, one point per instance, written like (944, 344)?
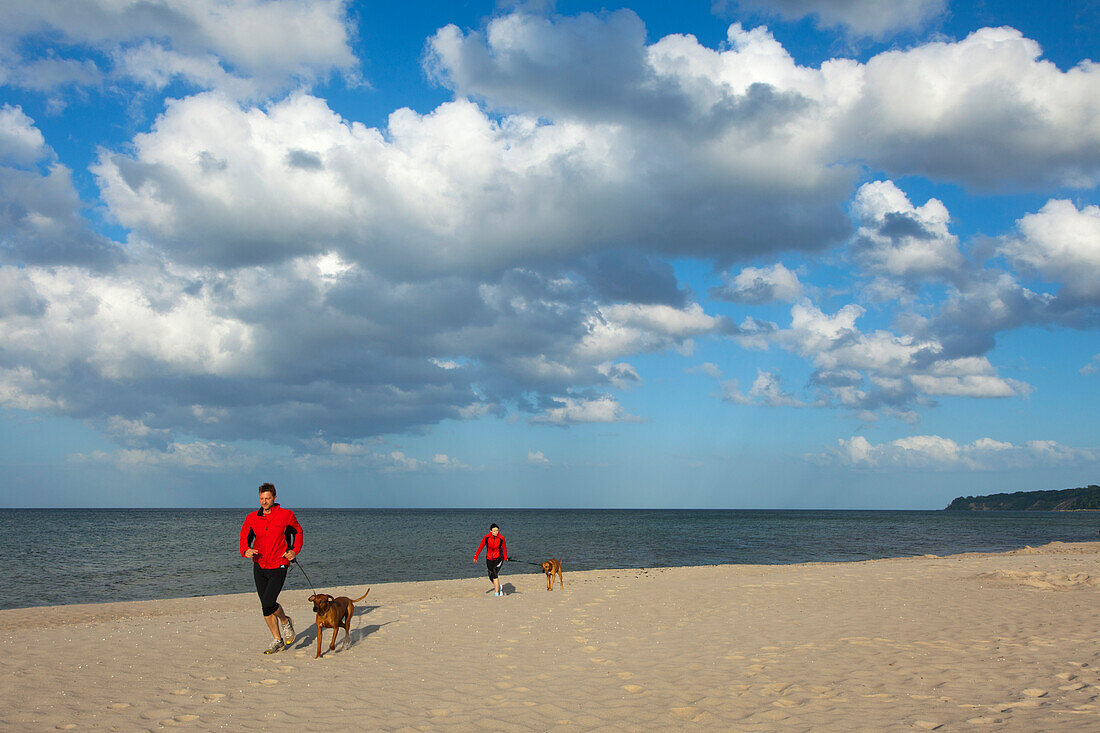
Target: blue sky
(734, 254)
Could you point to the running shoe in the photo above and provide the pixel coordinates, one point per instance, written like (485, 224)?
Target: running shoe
(277, 645)
(287, 630)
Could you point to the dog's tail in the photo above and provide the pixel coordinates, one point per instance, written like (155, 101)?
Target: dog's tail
(356, 600)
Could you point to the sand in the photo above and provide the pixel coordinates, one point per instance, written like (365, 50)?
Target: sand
(1005, 641)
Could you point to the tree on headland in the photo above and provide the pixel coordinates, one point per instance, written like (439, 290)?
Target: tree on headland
(1086, 497)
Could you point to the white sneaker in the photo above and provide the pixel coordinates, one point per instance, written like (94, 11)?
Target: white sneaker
(277, 645)
(287, 630)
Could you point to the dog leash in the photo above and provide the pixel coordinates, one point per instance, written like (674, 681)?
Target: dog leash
(295, 561)
(525, 562)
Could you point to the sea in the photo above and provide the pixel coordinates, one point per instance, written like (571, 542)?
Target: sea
(66, 556)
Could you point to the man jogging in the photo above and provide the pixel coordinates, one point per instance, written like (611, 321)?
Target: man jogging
(272, 537)
(496, 552)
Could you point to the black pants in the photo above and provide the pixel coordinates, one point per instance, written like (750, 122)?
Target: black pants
(268, 584)
(493, 566)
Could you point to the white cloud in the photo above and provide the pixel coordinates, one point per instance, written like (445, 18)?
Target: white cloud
(289, 271)
(21, 143)
(897, 239)
(932, 452)
(876, 18)
(194, 456)
(626, 329)
(985, 111)
(708, 368)
(756, 285)
(765, 390)
(41, 221)
(536, 458)
(575, 410)
(899, 369)
(1062, 244)
(245, 46)
(1092, 367)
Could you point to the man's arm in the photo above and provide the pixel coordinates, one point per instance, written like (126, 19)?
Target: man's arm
(247, 538)
(296, 528)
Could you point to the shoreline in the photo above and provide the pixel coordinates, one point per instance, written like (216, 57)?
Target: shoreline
(526, 570)
(929, 642)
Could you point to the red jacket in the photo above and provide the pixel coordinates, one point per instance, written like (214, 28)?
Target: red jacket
(272, 534)
(495, 547)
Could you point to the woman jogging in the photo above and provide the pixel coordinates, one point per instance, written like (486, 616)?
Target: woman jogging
(496, 552)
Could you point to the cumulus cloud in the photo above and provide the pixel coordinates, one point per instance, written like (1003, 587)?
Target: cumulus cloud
(765, 390)
(865, 371)
(1061, 243)
(41, 217)
(896, 239)
(290, 273)
(1059, 246)
(579, 410)
(536, 458)
(246, 47)
(875, 18)
(21, 143)
(984, 111)
(932, 452)
(193, 456)
(756, 285)
(1092, 367)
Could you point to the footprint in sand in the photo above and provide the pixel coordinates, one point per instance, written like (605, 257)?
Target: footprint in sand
(269, 682)
(156, 714)
(119, 705)
(624, 675)
(634, 688)
(179, 720)
(927, 724)
(214, 697)
(65, 726)
(215, 679)
(184, 691)
(1035, 692)
(983, 720)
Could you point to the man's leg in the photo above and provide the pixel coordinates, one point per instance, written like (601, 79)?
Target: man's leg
(269, 597)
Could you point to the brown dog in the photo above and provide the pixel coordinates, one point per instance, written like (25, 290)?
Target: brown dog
(550, 567)
(334, 613)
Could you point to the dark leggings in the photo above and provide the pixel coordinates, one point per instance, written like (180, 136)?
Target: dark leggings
(268, 584)
(494, 566)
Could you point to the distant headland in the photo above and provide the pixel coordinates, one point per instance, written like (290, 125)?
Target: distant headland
(1085, 497)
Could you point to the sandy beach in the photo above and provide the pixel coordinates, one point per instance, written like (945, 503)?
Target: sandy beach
(1007, 641)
